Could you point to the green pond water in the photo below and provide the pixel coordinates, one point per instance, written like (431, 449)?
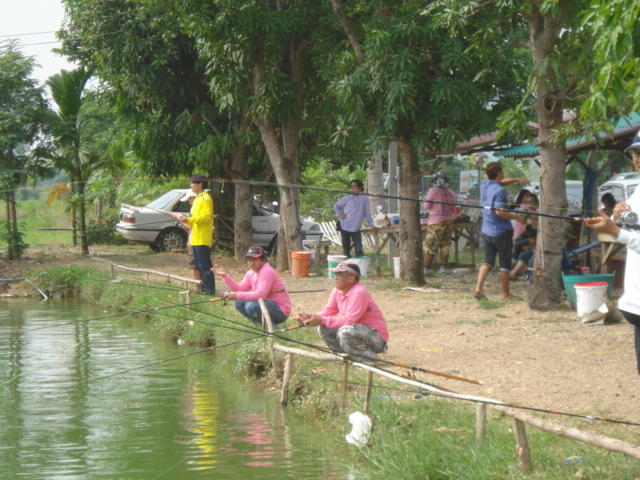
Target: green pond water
(183, 419)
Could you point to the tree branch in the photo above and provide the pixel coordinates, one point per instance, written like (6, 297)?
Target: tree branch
(347, 29)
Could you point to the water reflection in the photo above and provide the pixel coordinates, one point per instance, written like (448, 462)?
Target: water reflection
(176, 420)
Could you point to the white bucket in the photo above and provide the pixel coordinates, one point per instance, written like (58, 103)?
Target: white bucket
(364, 263)
(590, 297)
(333, 261)
(396, 267)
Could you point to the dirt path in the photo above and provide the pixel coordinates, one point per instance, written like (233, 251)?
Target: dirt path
(540, 359)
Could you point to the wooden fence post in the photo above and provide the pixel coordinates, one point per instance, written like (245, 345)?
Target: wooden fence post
(368, 397)
(284, 398)
(345, 378)
(481, 419)
(522, 445)
(268, 327)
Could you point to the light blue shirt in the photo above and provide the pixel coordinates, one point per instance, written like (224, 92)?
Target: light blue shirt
(492, 195)
(356, 208)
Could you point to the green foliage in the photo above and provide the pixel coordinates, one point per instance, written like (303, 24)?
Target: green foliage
(67, 281)
(103, 232)
(251, 359)
(14, 237)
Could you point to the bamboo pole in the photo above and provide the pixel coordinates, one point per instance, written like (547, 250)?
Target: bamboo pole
(611, 444)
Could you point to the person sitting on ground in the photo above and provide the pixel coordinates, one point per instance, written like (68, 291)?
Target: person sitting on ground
(530, 203)
(525, 259)
(440, 221)
(609, 202)
(522, 243)
(261, 281)
(351, 322)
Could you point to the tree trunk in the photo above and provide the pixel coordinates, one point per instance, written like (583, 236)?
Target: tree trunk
(284, 160)
(243, 199)
(84, 246)
(74, 224)
(546, 286)
(411, 254)
(375, 183)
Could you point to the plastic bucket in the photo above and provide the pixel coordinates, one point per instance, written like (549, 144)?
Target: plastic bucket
(364, 263)
(590, 297)
(333, 261)
(570, 282)
(396, 267)
(300, 262)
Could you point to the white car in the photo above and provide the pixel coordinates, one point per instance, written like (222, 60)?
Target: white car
(621, 186)
(153, 224)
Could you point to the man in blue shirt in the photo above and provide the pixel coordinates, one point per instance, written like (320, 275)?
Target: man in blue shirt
(351, 210)
(497, 230)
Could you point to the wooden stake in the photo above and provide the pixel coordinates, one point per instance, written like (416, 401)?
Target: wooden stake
(481, 420)
(369, 384)
(284, 398)
(522, 445)
(345, 378)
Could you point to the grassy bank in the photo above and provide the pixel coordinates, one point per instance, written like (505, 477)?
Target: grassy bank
(413, 438)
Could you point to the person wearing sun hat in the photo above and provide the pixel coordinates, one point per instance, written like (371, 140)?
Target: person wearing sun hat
(351, 322)
(261, 281)
(629, 303)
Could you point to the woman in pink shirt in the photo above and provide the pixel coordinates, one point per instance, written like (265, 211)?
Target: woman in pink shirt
(261, 281)
(351, 322)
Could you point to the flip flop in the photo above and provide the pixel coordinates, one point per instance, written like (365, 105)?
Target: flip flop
(480, 296)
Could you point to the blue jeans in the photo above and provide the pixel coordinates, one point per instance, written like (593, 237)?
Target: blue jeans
(347, 238)
(202, 261)
(253, 312)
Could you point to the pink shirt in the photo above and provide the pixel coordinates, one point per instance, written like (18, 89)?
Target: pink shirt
(266, 284)
(438, 211)
(357, 306)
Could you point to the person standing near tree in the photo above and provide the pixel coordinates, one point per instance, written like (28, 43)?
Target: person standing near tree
(497, 231)
(201, 223)
(351, 210)
(440, 202)
(629, 303)
(190, 197)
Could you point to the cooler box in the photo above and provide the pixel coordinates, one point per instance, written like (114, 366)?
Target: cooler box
(571, 280)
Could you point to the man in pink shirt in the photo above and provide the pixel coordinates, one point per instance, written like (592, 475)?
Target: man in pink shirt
(351, 322)
(261, 281)
(440, 221)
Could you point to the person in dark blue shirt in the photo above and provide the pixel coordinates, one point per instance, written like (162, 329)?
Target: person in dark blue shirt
(497, 230)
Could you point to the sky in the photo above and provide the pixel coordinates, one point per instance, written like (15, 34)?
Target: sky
(25, 21)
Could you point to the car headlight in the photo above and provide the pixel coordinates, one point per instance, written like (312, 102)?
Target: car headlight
(314, 228)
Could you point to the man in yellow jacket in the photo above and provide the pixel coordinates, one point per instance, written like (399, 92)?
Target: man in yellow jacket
(201, 223)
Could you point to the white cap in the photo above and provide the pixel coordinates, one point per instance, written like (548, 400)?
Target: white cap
(188, 195)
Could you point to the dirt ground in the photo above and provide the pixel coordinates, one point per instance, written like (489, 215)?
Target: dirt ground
(546, 360)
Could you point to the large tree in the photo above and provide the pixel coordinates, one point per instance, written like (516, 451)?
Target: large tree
(418, 86)
(23, 117)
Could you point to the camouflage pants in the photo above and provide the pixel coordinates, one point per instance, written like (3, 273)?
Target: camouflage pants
(358, 340)
(438, 237)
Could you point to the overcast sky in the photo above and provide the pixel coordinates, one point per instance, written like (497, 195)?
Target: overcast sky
(32, 23)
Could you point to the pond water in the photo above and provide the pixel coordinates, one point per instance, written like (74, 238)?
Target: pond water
(183, 419)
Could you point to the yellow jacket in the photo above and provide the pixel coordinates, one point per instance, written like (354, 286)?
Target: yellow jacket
(201, 220)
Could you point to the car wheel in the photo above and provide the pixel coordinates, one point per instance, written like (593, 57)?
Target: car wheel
(170, 239)
(273, 246)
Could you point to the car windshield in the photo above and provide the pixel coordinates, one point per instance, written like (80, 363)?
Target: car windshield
(164, 200)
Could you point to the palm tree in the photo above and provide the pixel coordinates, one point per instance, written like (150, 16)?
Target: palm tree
(77, 154)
